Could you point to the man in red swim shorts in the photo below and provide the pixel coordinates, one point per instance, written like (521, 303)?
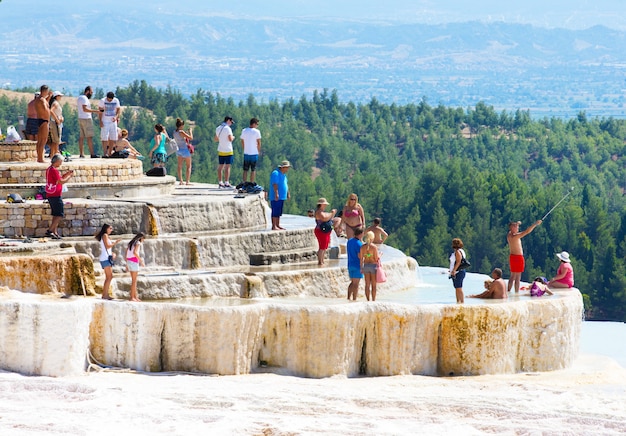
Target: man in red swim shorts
(516, 253)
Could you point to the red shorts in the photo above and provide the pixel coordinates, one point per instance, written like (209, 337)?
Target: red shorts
(323, 239)
(516, 262)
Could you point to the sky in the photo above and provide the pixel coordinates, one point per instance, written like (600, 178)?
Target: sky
(575, 14)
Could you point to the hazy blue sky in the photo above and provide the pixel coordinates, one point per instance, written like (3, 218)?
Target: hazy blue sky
(551, 13)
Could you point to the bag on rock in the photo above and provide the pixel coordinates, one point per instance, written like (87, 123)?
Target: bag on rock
(156, 172)
(12, 135)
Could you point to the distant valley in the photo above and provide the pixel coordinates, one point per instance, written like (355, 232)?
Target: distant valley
(509, 66)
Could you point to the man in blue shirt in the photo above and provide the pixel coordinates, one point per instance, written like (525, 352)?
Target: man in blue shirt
(279, 192)
(353, 248)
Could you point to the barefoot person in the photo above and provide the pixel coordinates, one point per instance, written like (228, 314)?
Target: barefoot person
(106, 257)
(495, 288)
(279, 192)
(183, 154)
(353, 248)
(369, 265)
(133, 261)
(516, 253)
(457, 275)
(42, 107)
(323, 228)
(352, 215)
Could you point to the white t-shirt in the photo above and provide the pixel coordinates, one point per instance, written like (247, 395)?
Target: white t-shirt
(223, 132)
(249, 136)
(104, 252)
(83, 100)
(453, 258)
(110, 109)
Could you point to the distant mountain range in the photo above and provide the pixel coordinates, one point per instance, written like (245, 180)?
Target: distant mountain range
(510, 66)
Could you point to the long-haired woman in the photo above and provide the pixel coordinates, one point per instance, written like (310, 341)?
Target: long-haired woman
(56, 122)
(369, 264)
(158, 154)
(183, 154)
(106, 257)
(133, 261)
(352, 215)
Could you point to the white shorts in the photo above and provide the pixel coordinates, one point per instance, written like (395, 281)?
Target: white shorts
(109, 132)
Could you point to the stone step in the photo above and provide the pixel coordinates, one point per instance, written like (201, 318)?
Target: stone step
(290, 256)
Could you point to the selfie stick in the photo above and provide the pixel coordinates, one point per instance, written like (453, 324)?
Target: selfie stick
(564, 197)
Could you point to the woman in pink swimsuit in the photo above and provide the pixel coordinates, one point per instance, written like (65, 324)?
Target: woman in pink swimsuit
(352, 215)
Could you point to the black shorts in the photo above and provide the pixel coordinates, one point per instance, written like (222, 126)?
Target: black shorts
(32, 126)
(249, 162)
(56, 204)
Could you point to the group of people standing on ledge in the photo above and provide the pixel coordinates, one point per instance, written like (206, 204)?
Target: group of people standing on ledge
(496, 288)
(364, 258)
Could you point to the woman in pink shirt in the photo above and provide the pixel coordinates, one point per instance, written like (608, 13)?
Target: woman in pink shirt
(564, 277)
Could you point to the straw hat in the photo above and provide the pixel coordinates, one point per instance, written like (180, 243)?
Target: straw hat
(564, 256)
(322, 200)
(284, 163)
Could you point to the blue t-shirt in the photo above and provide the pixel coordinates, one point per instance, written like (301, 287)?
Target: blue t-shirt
(353, 248)
(280, 179)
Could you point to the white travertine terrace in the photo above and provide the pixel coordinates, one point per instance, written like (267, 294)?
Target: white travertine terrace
(223, 316)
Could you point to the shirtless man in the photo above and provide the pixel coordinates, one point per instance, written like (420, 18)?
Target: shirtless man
(380, 235)
(32, 127)
(516, 254)
(494, 289)
(43, 117)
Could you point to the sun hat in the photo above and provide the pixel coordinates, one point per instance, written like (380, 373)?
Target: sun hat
(322, 200)
(564, 256)
(284, 163)
(57, 94)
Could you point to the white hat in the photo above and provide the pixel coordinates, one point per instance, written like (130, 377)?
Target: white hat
(57, 94)
(564, 256)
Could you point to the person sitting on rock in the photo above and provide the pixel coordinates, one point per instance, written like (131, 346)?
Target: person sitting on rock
(123, 148)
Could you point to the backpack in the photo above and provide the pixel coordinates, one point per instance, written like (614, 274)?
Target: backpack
(171, 146)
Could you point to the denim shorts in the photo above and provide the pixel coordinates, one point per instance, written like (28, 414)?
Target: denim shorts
(132, 266)
(370, 268)
(105, 263)
(457, 280)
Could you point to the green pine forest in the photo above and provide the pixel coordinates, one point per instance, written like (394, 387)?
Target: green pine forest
(431, 173)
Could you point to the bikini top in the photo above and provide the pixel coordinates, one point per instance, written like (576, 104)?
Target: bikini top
(353, 212)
